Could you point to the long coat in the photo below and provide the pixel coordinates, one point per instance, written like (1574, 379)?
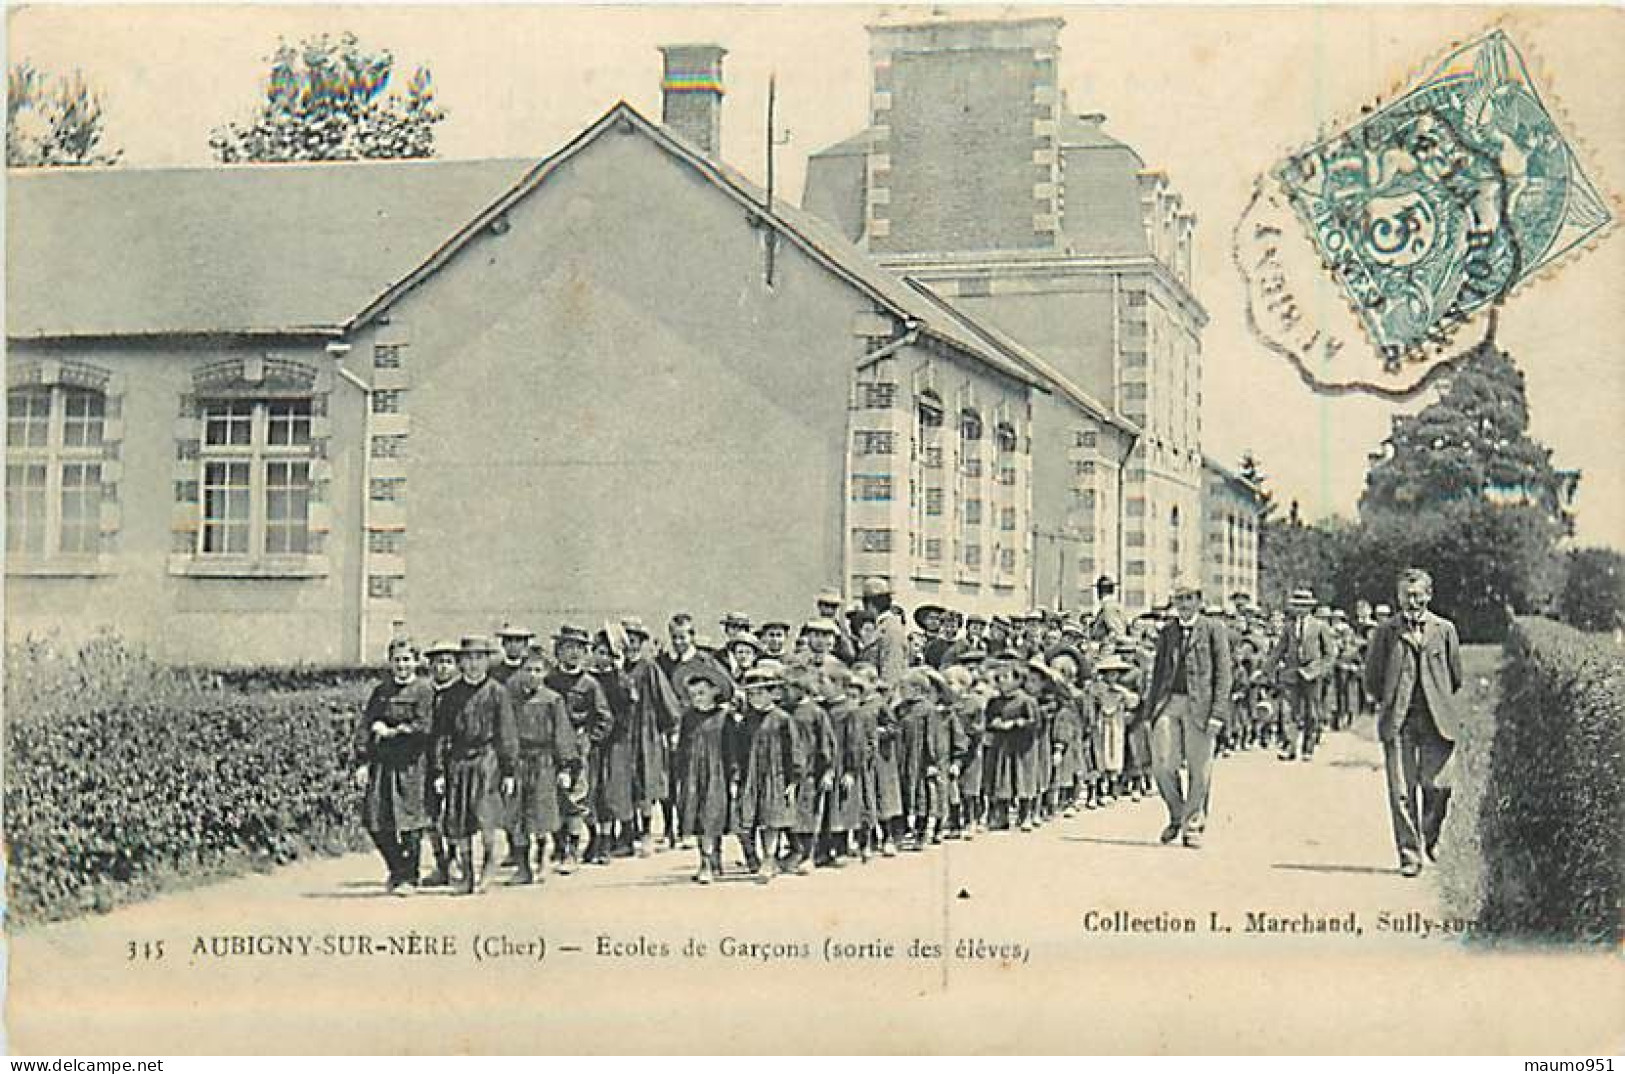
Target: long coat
(547, 747)
(888, 784)
(970, 719)
(612, 758)
(655, 709)
(921, 747)
(1066, 740)
(592, 721)
(1391, 673)
(843, 810)
(817, 744)
(481, 747)
(773, 766)
(397, 794)
(706, 774)
(1012, 724)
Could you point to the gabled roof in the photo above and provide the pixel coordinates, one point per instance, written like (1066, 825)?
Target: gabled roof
(271, 249)
(812, 235)
(246, 249)
(1053, 378)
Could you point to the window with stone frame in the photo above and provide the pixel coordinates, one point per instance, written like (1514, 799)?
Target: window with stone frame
(54, 470)
(255, 463)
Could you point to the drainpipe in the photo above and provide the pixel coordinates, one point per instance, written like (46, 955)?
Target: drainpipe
(911, 333)
(337, 351)
(1122, 510)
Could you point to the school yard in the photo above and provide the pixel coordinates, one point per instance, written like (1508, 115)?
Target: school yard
(1291, 845)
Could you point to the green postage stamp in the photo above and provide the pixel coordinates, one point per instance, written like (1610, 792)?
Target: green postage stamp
(1435, 206)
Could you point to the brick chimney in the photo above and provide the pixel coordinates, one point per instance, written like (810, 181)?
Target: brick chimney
(691, 95)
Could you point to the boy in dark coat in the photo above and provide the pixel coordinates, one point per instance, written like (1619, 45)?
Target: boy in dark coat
(708, 770)
(773, 768)
(449, 691)
(591, 719)
(802, 691)
(392, 747)
(655, 714)
(476, 762)
(549, 761)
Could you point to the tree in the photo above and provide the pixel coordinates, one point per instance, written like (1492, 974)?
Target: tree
(327, 100)
(1462, 490)
(1593, 595)
(1472, 443)
(52, 123)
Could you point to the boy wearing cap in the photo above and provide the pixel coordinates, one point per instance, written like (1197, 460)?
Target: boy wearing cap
(515, 642)
(1012, 716)
(802, 690)
(612, 812)
(708, 771)
(516, 645)
(773, 767)
(590, 718)
(477, 763)
(449, 692)
(549, 762)
(843, 806)
(829, 607)
(392, 744)
(656, 711)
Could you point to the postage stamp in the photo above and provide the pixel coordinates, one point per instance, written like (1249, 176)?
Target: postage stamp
(1434, 207)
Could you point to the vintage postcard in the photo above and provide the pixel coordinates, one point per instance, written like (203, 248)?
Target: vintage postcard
(814, 529)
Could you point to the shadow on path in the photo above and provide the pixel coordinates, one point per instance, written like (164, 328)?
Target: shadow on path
(1106, 840)
(1359, 870)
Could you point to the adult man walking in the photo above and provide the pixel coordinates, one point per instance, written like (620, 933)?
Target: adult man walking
(888, 651)
(1302, 658)
(1413, 669)
(1190, 686)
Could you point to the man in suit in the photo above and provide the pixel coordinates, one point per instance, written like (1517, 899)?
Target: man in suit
(1303, 657)
(1413, 670)
(1110, 622)
(1190, 687)
(888, 650)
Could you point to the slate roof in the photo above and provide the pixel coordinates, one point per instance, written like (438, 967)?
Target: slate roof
(272, 248)
(258, 248)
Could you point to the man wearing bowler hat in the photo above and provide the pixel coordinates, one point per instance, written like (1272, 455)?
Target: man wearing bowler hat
(1190, 690)
(515, 642)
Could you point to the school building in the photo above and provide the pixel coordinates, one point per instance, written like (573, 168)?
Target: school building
(976, 177)
(280, 413)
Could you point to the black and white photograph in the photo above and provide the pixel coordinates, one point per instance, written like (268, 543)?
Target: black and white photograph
(814, 529)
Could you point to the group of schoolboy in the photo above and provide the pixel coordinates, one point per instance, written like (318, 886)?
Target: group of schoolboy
(845, 737)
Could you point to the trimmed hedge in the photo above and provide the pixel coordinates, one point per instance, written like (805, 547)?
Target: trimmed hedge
(125, 777)
(1552, 821)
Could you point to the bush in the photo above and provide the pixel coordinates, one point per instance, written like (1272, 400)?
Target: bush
(124, 776)
(1552, 822)
(1593, 595)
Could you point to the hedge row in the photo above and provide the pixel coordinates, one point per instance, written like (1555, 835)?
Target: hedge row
(1552, 821)
(124, 777)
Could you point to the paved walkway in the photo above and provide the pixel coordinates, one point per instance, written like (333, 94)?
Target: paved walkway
(1067, 938)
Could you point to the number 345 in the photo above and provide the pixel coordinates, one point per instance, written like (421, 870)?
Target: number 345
(143, 950)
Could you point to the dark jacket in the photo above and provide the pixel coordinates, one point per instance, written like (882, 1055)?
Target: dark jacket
(1204, 647)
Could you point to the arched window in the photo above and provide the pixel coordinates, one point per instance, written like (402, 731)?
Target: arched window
(54, 453)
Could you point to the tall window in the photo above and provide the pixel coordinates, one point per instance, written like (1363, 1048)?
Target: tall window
(256, 477)
(54, 470)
